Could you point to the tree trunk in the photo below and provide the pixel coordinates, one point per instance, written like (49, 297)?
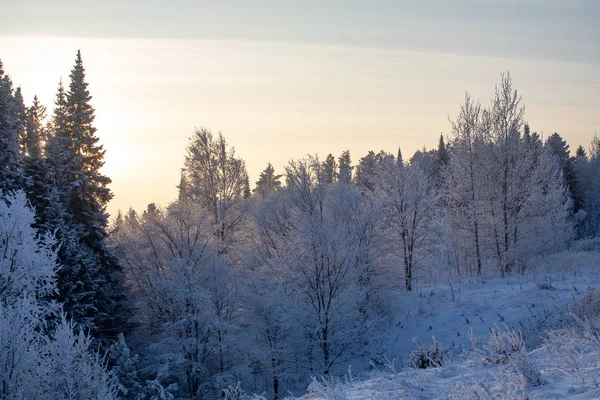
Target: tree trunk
(325, 350)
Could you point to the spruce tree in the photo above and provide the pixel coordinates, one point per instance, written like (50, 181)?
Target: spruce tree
(345, 167)
(399, 158)
(580, 153)
(441, 157)
(34, 129)
(365, 171)
(90, 282)
(268, 182)
(10, 127)
(330, 169)
(559, 147)
(21, 115)
(38, 180)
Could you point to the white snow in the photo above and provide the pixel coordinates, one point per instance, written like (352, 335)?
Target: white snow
(529, 303)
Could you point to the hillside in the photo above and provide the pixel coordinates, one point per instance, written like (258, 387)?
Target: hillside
(560, 354)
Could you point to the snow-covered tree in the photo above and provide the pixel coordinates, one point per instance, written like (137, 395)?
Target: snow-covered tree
(407, 195)
(38, 361)
(268, 304)
(27, 262)
(327, 253)
(125, 370)
(464, 185)
(588, 172)
(185, 296)
(528, 202)
(560, 149)
(215, 179)
(39, 185)
(27, 268)
(77, 372)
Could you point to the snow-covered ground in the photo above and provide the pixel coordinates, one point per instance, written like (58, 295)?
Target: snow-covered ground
(564, 364)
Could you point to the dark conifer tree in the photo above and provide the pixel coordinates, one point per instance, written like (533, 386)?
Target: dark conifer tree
(38, 180)
(268, 182)
(399, 158)
(21, 115)
(440, 160)
(365, 171)
(90, 282)
(345, 167)
(559, 147)
(10, 127)
(442, 155)
(330, 169)
(580, 153)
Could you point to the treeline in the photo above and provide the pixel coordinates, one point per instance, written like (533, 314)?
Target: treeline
(297, 276)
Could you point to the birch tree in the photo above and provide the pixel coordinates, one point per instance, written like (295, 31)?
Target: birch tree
(407, 195)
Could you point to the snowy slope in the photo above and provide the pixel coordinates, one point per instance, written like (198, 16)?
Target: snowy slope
(531, 303)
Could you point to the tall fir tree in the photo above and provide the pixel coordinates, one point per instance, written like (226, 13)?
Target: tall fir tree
(21, 115)
(345, 167)
(90, 282)
(365, 172)
(440, 160)
(559, 147)
(34, 129)
(38, 180)
(330, 169)
(10, 128)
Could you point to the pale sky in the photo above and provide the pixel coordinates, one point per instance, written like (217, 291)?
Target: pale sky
(282, 79)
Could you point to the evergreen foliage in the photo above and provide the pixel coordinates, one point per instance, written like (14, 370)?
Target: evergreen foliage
(90, 282)
(345, 167)
(268, 182)
(10, 131)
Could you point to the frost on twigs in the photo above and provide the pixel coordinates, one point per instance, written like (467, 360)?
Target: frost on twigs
(588, 308)
(329, 388)
(426, 357)
(503, 344)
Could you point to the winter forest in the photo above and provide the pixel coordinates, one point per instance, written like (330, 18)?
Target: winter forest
(305, 282)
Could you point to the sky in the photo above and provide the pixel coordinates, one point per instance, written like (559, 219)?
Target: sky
(283, 79)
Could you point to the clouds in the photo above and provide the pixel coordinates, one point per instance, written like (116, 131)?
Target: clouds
(555, 30)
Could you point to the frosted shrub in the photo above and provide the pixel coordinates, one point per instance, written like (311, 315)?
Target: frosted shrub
(523, 366)
(547, 319)
(79, 373)
(569, 351)
(330, 388)
(233, 392)
(588, 308)
(125, 369)
(27, 261)
(502, 344)
(426, 357)
(236, 393)
(474, 389)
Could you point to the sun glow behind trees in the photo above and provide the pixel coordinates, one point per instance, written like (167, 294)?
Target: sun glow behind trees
(298, 98)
